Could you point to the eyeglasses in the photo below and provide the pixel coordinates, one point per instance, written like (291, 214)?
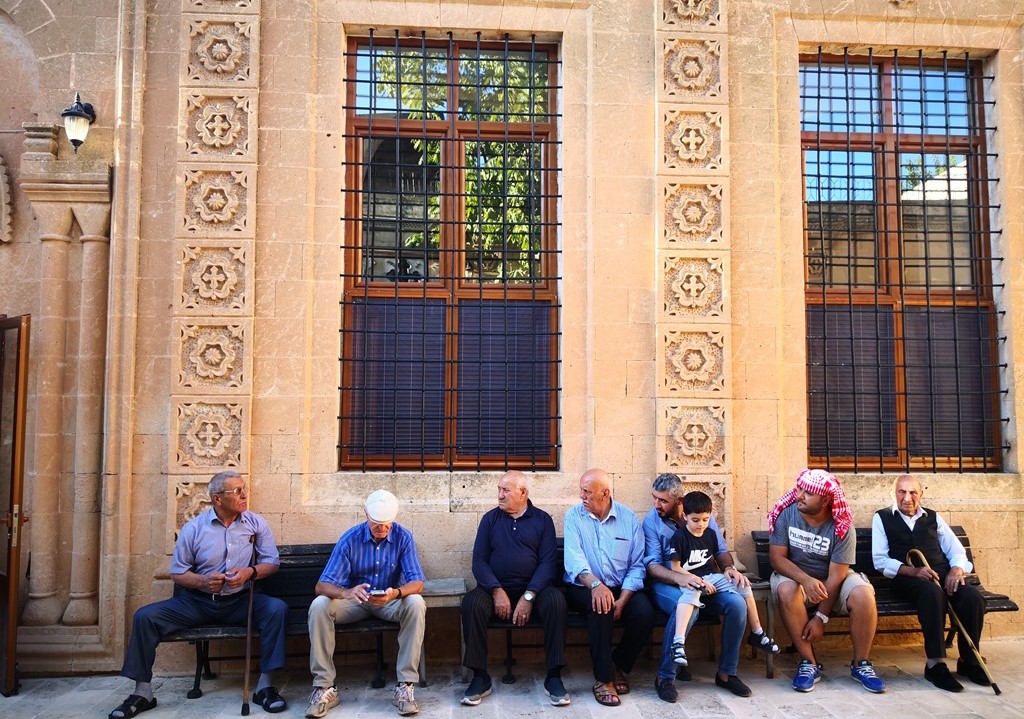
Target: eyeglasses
(237, 491)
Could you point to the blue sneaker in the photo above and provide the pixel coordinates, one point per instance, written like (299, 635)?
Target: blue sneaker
(807, 675)
(864, 672)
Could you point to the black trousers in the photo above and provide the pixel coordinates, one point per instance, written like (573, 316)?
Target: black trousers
(932, 601)
(638, 618)
(548, 606)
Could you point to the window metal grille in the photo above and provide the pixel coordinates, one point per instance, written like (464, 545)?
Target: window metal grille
(450, 311)
(902, 331)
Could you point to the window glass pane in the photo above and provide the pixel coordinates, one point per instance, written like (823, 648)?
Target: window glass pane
(495, 86)
(408, 82)
(841, 218)
(396, 376)
(935, 221)
(401, 229)
(504, 192)
(931, 101)
(851, 381)
(837, 98)
(506, 378)
(950, 381)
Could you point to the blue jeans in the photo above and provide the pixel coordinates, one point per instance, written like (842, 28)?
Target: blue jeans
(731, 606)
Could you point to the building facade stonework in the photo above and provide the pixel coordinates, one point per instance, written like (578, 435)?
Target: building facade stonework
(183, 273)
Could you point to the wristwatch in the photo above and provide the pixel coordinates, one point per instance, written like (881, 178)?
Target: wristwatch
(822, 616)
(529, 596)
(595, 584)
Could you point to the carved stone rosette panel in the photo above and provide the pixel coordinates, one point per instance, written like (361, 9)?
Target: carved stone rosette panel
(693, 15)
(217, 202)
(217, 125)
(212, 355)
(691, 69)
(215, 278)
(721, 499)
(188, 497)
(695, 437)
(209, 433)
(693, 141)
(694, 213)
(693, 288)
(693, 362)
(222, 51)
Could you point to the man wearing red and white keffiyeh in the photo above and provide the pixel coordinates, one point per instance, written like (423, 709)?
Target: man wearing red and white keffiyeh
(812, 550)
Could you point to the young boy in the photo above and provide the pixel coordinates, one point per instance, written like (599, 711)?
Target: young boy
(694, 553)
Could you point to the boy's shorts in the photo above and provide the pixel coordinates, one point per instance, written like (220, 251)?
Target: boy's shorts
(852, 581)
(722, 584)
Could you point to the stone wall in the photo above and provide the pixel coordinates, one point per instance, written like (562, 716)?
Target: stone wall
(682, 264)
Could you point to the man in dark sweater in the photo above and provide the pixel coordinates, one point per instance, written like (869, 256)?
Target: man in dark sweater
(907, 525)
(515, 563)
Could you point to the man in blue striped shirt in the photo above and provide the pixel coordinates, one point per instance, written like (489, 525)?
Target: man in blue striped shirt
(373, 572)
(604, 576)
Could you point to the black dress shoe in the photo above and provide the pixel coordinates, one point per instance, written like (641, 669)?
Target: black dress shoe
(733, 684)
(667, 691)
(974, 672)
(683, 674)
(939, 676)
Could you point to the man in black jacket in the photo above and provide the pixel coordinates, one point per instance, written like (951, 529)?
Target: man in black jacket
(515, 563)
(907, 525)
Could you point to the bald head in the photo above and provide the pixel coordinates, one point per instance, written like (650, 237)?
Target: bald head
(513, 492)
(907, 493)
(596, 492)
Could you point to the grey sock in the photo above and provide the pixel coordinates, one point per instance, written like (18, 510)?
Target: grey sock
(265, 681)
(144, 690)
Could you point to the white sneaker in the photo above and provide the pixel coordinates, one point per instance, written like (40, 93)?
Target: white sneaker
(321, 700)
(404, 700)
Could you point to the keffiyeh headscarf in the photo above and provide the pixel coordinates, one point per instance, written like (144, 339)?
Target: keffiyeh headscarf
(818, 481)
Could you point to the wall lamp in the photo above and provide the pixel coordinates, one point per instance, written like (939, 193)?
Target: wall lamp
(77, 119)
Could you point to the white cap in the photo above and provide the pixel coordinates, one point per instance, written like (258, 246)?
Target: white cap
(382, 507)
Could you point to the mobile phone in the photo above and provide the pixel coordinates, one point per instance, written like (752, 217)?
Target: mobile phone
(378, 592)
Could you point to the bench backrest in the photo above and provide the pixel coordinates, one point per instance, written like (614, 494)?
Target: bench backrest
(863, 562)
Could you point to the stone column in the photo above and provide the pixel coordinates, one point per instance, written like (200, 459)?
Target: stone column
(83, 607)
(60, 191)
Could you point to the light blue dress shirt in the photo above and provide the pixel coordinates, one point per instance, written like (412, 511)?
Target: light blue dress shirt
(611, 549)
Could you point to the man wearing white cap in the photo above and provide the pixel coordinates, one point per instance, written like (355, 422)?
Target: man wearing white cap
(373, 572)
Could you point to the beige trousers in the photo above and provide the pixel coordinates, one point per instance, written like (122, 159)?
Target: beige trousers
(409, 612)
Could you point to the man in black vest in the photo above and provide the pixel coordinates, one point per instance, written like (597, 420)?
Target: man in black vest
(907, 525)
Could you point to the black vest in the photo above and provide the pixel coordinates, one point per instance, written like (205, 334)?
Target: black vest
(925, 538)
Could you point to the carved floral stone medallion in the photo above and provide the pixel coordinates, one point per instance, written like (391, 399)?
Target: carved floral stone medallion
(221, 51)
(217, 126)
(212, 356)
(692, 69)
(693, 213)
(208, 434)
(693, 141)
(692, 14)
(693, 362)
(693, 437)
(213, 279)
(693, 288)
(216, 202)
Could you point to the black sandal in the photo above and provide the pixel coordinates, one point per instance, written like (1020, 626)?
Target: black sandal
(270, 700)
(133, 706)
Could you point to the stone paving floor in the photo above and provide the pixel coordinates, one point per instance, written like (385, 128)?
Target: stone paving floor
(909, 696)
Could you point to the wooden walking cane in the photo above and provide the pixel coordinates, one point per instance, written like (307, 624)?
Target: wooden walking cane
(248, 632)
(917, 554)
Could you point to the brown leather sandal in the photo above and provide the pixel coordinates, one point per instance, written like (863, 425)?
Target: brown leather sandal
(606, 695)
(621, 682)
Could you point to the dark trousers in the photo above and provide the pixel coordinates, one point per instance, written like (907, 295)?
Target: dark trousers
(931, 612)
(638, 618)
(478, 608)
(190, 609)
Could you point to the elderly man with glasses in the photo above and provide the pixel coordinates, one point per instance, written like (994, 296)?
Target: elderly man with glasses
(373, 572)
(215, 558)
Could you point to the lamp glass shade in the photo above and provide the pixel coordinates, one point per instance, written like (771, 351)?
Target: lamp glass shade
(77, 128)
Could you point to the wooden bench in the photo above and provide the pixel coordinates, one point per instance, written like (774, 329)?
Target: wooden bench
(578, 620)
(888, 604)
(294, 582)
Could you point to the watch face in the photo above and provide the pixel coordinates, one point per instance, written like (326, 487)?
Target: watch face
(593, 584)
(528, 596)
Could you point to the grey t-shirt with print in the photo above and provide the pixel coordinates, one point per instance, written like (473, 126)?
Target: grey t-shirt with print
(812, 548)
